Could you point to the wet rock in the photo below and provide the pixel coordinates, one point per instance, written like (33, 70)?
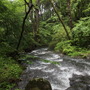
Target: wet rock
(79, 82)
(38, 84)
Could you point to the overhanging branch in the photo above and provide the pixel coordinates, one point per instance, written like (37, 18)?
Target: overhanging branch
(26, 2)
(23, 24)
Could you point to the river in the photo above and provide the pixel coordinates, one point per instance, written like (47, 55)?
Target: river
(57, 74)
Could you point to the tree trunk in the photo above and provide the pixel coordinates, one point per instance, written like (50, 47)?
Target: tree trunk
(35, 21)
(60, 19)
(23, 24)
(69, 14)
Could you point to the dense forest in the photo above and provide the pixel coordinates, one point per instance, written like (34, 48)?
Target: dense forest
(61, 25)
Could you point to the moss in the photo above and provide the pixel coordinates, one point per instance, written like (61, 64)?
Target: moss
(38, 84)
(35, 88)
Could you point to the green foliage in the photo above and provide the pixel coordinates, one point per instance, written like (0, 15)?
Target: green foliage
(11, 17)
(34, 2)
(80, 38)
(81, 32)
(28, 42)
(61, 46)
(50, 32)
(10, 23)
(5, 48)
(44, 33)
(9, 71)
(58, 35)
(80, 8)
(6, 85)
(44, 37)
(66, 47)
(52, 19)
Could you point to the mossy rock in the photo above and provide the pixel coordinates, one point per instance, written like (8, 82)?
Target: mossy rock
(38, 84)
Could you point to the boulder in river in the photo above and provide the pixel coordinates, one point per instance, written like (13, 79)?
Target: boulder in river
(38, 84)
(79, 82)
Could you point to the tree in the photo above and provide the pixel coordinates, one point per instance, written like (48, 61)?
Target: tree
(52, 2)
(34, 16)
(69, 13)
(30, 6)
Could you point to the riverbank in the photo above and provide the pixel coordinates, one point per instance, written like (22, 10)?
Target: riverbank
(10, 72)
(66, 48)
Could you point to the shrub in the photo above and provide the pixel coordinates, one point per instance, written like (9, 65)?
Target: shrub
(66, 47)
(5, 48)
(63, 46)
(81, 33)
(9, 71)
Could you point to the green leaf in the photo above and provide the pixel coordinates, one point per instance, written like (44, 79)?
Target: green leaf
(34, 2)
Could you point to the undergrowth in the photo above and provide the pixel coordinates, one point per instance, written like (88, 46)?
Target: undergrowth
(9, 73)
(66, 48)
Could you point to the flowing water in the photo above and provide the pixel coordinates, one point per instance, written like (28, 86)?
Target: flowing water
(57, 74)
